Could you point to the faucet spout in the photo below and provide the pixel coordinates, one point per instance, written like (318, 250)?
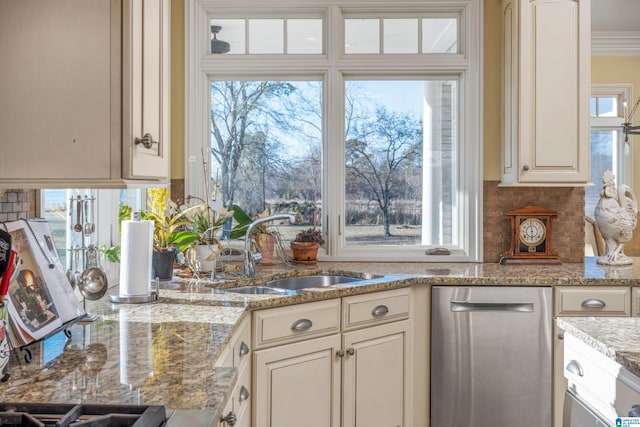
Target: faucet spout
(251, 257)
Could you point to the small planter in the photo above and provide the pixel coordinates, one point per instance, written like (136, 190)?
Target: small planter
(305, 252)
(162, 265)
(266, 243)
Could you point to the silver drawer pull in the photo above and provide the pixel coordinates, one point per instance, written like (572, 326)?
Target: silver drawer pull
(244, 349)
(301, 325)
(634, 411)
(575, 368)
(380, 310)
(146, 141)
(593, 303)
(244, 394)
(230, 420)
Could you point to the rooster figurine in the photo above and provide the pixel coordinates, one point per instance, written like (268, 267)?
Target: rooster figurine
(616, 215)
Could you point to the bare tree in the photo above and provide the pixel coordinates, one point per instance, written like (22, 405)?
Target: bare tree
(378, 149)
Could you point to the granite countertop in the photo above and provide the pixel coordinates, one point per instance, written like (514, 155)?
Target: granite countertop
(164, 352)
(618, 338)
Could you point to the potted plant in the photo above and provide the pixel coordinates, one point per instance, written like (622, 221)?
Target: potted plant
(172, 229)
(202, 255)
(265, 237)
(305, 246)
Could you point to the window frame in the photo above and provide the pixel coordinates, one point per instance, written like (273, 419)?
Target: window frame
(624, 92)
(332, 67)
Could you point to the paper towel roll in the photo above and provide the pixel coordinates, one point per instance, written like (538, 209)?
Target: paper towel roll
(135, 258)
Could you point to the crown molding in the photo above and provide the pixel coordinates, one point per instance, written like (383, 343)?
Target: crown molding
(615, 43)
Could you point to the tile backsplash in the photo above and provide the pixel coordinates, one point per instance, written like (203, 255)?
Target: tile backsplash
(568, 227)
(16, 204)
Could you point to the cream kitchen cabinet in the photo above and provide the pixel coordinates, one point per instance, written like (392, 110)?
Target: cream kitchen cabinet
(546, 88)
(582, 301)
(359, 374)
(82, 83)
(237, 354)
(635, 304)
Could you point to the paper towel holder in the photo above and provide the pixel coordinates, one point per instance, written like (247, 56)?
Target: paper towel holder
(138, 299)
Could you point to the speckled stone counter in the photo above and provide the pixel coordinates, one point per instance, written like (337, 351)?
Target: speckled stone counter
(618, 338)
(164, 352)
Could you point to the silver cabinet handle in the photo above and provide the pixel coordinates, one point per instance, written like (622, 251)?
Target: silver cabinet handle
(379, 310)
(575, 368)
(340, 353)
(525, 168)
(593, 303)
(301, 325)
(244, 394)
(351, 351)
(244, 349)
(146, 140)
(230, 419)
(634, 411)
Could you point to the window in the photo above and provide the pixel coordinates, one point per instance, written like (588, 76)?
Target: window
(609, 152)
(100, 207)
(365, 119)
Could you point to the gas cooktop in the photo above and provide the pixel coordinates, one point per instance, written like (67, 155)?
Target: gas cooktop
(61, 414)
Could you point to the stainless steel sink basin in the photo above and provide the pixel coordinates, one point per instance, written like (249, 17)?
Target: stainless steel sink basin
(321, 281)
(256, 290)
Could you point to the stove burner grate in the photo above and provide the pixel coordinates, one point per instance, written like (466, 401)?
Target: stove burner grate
(81, 415)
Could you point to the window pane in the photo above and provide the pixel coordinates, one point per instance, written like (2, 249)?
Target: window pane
(266, 147)
(304, 36)
(592, 106)
(55, 210)
(266, 36)
(231, 31)
(361, 36)
(440, 35)
(608, 107)
(400, 36)
(603, 155)
(401, 162)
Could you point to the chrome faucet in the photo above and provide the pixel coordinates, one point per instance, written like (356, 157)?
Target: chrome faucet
(250, 258)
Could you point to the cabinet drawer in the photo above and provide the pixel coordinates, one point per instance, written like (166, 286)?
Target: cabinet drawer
(635, 303)
(599, 380)
(295, 323)
(375, 308)
(241, 343)
(594, 301)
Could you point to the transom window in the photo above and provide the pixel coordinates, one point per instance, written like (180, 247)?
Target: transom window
(364, 119)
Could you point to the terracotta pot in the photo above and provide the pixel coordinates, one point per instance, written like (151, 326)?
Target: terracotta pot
(266, 243)
(305, 252)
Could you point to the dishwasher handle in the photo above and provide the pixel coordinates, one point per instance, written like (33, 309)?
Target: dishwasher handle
(518, 307)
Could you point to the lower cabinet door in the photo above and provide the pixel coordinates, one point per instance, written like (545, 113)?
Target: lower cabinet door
(375, 376)
(298, 384)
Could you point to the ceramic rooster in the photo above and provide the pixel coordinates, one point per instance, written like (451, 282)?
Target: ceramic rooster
(616, 214)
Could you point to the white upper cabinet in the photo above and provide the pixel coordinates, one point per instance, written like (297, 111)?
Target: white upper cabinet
(79, 81)
(546, 84)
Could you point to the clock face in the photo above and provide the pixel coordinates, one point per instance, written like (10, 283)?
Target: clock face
(532, 231)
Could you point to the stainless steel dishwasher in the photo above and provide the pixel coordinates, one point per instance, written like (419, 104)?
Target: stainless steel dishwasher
(491, 356)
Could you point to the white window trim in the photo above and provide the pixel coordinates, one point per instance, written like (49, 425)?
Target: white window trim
(198, 65)
(623, 92)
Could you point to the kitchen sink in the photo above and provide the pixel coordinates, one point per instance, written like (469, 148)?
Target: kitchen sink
(320, 281)
(289, 285)
(257, 290)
